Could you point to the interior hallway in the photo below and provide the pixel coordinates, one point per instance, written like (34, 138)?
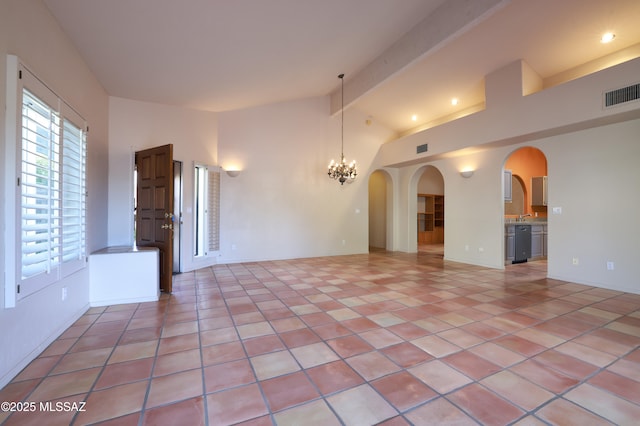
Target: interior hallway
(360, 339)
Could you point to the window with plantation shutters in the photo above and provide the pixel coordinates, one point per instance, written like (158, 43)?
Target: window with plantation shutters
(74, 159)
(51, 193)
(207, 210)
(213, 210)
(40, 188)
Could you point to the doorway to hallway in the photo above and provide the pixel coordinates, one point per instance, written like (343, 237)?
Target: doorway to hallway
(430, 209)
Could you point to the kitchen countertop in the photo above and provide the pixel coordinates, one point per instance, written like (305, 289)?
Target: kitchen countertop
(526, 222)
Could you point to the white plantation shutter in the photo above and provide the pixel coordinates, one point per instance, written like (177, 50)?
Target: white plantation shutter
(213, 209)
(73, 192)
(51, 191)
(206, 210)
(40, 187)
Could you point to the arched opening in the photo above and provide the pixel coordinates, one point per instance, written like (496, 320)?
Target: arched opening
(525, 206)
(430, 211)
(380, 211)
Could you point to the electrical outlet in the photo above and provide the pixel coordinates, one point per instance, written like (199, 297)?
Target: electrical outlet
(64, 294)
(610, 266)
(576, 261)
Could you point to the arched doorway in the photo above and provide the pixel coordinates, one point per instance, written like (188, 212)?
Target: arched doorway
(525, 206)
(430, 211)
(380, 211)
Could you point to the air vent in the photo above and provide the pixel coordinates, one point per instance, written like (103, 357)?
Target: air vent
(422, 148)
(620, 96)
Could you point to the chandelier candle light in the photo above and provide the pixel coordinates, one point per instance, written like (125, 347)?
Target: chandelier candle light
(342, 171)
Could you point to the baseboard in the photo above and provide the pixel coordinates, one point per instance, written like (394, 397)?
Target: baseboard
(99, 303)
(13, 372)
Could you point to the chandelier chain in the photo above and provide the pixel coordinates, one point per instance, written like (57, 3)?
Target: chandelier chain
(341, 76)
(342, 171)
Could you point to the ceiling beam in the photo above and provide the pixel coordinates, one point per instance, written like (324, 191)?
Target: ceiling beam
(449, 20)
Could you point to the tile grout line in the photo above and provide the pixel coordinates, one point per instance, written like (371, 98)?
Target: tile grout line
(143, 406)
(447, 279)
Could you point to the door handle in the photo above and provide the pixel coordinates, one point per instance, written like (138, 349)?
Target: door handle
(169, 216)
(165, 226)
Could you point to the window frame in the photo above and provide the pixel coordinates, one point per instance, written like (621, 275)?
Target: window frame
(206, 183)
(18, 287)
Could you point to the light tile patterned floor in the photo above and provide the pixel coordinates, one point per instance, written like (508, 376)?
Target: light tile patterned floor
(354, 340)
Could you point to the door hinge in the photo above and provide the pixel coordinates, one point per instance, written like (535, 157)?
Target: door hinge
(20, 74)
(18, 288)
(18, 181)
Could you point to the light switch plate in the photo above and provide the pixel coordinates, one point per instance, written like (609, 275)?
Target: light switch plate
(556, 210)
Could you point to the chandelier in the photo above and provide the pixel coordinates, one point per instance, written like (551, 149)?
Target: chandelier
(342, 171)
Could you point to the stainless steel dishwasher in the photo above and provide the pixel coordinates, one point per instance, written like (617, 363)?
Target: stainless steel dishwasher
(522, 243)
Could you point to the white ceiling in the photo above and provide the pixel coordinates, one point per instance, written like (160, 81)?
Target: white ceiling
(400, 57)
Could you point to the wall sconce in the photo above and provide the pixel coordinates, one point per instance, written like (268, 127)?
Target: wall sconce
(466, 173)
(232, 173)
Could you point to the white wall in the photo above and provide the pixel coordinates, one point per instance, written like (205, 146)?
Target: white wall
(472, 210)
(38, 319)
(595, 178)
(592, 157)
(134, 126)
(571, 106)
(431, 182)
(283, 204)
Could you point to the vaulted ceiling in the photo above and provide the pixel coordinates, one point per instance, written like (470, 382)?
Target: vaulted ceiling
(401, 59)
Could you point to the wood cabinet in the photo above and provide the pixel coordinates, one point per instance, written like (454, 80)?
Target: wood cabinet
(430, 219)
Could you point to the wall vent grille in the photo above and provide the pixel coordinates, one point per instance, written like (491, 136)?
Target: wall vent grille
(620, 96)
(422, 148)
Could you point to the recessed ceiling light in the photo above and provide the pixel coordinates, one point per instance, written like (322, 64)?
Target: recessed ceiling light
(414, 117)
(607, 37)
(454, 101)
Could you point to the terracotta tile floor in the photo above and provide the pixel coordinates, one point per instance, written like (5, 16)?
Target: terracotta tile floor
(354, 340)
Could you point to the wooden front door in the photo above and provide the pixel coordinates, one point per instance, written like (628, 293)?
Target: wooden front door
(154, 210)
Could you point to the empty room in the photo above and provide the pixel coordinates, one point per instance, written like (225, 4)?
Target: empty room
(287, 212)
